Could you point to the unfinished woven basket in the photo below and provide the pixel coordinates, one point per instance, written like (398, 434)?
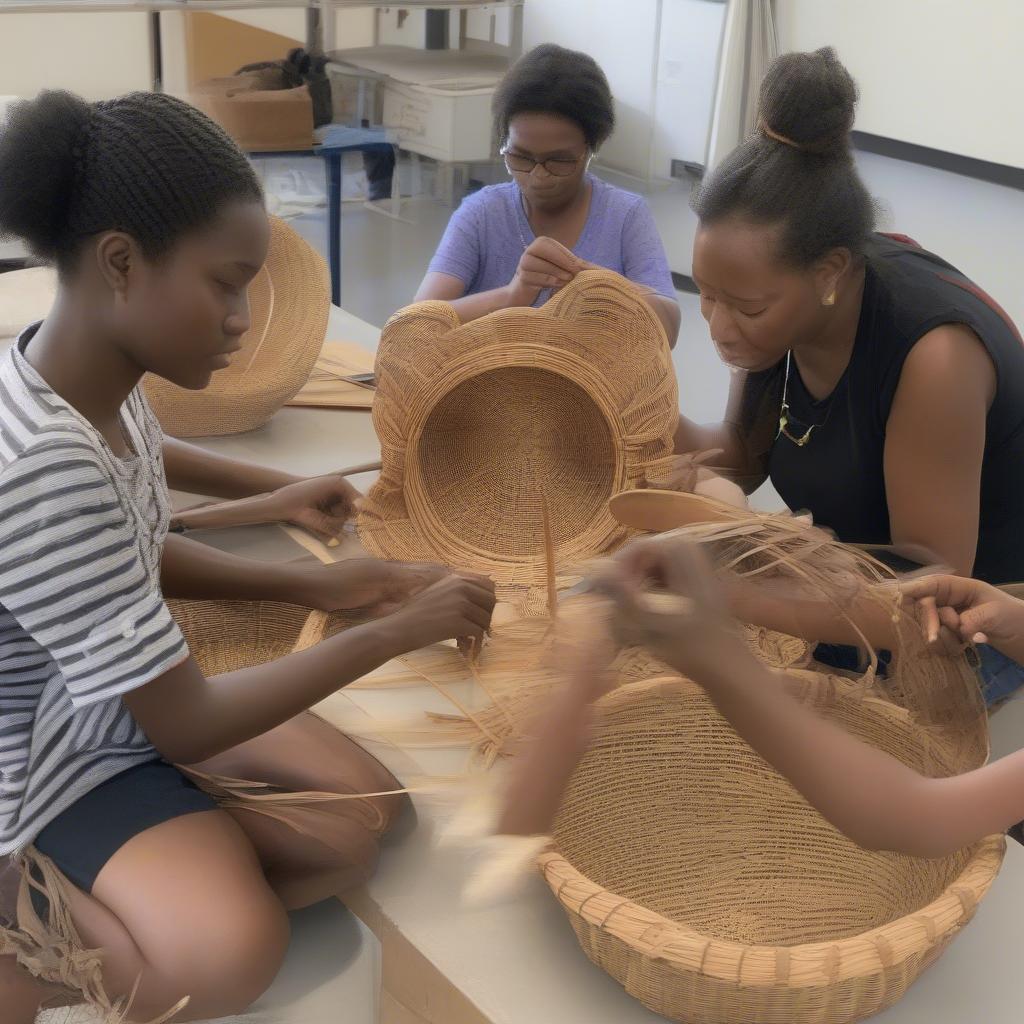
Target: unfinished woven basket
(491, 429)
(696, 876)
(224, 636)
(290, 301)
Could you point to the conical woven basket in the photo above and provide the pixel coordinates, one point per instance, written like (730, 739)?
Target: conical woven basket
(696, 876)
(289, 301)
(525, 419)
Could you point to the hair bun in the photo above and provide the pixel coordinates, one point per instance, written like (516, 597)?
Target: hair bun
(809, 99)
(41, 146)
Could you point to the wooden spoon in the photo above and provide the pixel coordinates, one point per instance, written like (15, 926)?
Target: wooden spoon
(658, 511)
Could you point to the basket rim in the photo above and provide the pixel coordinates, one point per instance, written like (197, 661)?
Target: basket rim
(807, 964)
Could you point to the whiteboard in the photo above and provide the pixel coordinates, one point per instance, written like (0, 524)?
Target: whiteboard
(684, 94)
(938, 73)
(622, 38)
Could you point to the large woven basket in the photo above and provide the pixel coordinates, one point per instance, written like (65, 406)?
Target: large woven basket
(289, 301)
(696, 876)
(489, 429)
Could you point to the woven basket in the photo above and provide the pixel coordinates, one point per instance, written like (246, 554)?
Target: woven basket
(224, 636)
(697, 877)
(290, 302)
(488, 429)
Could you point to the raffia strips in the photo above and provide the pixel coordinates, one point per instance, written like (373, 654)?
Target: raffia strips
(515, 671)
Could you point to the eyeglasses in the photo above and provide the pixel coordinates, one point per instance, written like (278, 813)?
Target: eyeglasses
(559, 166)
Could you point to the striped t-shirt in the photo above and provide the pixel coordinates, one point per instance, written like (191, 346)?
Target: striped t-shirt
(82, 618)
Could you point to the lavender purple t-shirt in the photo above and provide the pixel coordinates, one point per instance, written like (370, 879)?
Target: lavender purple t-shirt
(489, 232)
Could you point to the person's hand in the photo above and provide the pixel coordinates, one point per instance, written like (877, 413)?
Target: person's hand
(681, 472)
(668, 600)
(321, 504)
(545, 264)
(369, 585)
(974, 612)
(456, 607)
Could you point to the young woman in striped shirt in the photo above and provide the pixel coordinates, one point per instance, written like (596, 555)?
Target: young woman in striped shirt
(156, 224)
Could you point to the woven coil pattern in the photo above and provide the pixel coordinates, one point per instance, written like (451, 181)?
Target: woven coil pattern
(290, 301)
(489, 428)
(224, 636)
(697, 877)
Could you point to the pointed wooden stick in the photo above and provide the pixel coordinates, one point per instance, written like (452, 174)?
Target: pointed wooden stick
(549, 558)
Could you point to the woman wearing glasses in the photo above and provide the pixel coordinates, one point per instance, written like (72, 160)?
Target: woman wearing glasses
(515, 243)
(876, 385)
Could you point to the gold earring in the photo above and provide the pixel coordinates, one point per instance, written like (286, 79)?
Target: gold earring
(830, 299)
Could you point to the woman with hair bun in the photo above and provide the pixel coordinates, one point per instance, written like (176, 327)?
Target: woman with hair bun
(874, 383)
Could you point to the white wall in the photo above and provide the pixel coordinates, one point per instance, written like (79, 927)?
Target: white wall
(490, 26)
(96, 55)
(939, 73)
(412, 32)
(975, 225)
(353, 27)
(689, 46)
(173, 53)
(622, 39)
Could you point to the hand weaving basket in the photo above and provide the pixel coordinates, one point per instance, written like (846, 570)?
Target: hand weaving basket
(289, 301)
(493, 431)
(696, 876)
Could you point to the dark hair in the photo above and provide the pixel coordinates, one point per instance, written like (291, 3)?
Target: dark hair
(797, 170)
(553, 80)
(146, 164)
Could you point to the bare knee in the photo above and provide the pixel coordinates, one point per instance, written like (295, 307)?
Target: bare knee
(225, 964)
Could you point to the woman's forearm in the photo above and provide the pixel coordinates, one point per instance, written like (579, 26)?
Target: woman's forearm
(211, 716)
(194, 470)
(868, 795)
(195, 571)
(787, 609)
(472, 307)
(541, 771)
(240, 512)
(724, 437)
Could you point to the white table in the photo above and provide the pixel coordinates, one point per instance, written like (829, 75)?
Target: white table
(519, 963)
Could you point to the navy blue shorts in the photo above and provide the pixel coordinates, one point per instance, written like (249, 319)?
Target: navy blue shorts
(83, 838)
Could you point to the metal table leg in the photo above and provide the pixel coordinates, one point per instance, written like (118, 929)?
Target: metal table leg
(332, 159)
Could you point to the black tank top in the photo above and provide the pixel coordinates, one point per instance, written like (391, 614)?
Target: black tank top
(839, 476)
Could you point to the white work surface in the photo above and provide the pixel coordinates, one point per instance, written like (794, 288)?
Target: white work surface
(518, 962)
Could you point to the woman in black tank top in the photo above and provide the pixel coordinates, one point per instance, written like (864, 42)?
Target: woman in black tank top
(877, 386)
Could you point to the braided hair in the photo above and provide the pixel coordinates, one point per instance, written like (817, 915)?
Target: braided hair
(147, 164)
(797, 170)
(552, 80)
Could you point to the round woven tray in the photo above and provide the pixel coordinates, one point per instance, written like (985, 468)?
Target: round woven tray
(698, 878)
(289, 302)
